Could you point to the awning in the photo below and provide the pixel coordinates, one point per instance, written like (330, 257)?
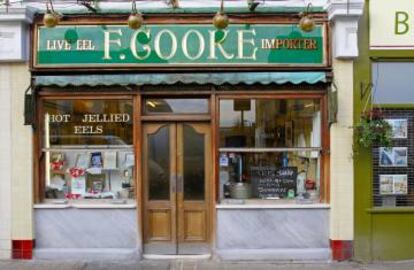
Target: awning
(216, 78)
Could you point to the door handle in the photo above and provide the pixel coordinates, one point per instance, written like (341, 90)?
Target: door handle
(180, 184)
(173, 183)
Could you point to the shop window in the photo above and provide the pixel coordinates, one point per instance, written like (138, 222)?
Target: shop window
(270, 150)
(393, 173)
(88, 149)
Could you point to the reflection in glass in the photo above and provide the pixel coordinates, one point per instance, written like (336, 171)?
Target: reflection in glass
(87, 122)
(159, 164)
(255, 168)
(270, 123)
(176, 105)
(193, 162)
(87, 147)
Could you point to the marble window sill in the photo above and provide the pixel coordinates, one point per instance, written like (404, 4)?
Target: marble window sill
(83, 204)
(269, 204)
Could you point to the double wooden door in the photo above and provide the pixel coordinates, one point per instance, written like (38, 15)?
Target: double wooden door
(176, 177)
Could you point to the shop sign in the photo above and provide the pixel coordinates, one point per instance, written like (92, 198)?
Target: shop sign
(391, 24)
(178, 45)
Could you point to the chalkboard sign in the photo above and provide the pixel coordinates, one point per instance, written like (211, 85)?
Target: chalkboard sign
(269, 181)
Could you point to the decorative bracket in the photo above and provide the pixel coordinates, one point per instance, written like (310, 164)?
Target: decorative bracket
(365, 89)
(89, 4)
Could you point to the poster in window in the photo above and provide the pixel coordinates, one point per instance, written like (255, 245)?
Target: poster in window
(399, 128)
(78, 185)
(400, 184)
(129, 160)
(393, 156)
(96, 160)
(393, 184)
(110, 160)
(386, 184)
(82, 161)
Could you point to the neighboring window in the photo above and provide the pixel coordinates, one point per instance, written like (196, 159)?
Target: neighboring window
(270, 149)
(393, 82)
(393, 183)
(176, 106)
(88, 149)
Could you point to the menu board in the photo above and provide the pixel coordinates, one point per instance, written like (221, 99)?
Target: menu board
(273, 182)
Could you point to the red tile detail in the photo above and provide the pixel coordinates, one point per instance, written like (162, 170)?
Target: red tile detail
(342, 250)
(22, 249)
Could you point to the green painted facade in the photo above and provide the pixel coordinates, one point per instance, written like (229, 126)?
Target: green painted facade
(380, 234)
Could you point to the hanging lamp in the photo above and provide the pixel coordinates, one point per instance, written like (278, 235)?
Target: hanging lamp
(51, 18)
(306, 23)
(135, 20)
(221, 20)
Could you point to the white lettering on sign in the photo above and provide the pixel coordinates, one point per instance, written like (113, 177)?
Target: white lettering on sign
(91, 121)
(201, 44)
(58, 45)
(59, 118)
(108, 41)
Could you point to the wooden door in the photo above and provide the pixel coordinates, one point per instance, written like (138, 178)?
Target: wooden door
(176, 174)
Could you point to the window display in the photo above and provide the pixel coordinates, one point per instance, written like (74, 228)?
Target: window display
(88, 149)
(392, 174)
(270, 149)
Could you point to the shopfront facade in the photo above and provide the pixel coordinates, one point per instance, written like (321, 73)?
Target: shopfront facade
(383, 193)
(180, 139)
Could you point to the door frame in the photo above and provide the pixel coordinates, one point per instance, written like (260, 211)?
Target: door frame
(210, 118)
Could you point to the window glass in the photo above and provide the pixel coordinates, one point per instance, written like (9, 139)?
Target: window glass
(270, 123)
(270, 149)
(88, 152)
(87, 122)
(176, 105)
(392, 82)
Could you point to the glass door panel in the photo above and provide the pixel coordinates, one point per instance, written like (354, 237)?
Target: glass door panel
(159, 167)
(193, 147)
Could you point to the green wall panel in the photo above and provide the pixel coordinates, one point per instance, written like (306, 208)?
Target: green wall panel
(392, 236)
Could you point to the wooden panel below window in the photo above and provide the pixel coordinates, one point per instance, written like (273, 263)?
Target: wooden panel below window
(160, 224)
(195, 225)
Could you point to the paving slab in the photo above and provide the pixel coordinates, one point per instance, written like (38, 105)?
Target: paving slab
(194, 265)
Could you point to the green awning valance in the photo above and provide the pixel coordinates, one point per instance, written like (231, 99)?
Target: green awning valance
(217, 78)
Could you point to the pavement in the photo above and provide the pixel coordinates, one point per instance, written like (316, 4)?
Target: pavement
(194, 265)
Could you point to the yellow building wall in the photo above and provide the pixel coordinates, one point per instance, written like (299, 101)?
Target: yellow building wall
(5, 162)
(342, 217)
(22, 186)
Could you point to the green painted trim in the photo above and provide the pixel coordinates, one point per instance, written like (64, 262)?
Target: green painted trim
(394, 106)
(363, 158)
(391, 54)
(229, 10)
(389, 210)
